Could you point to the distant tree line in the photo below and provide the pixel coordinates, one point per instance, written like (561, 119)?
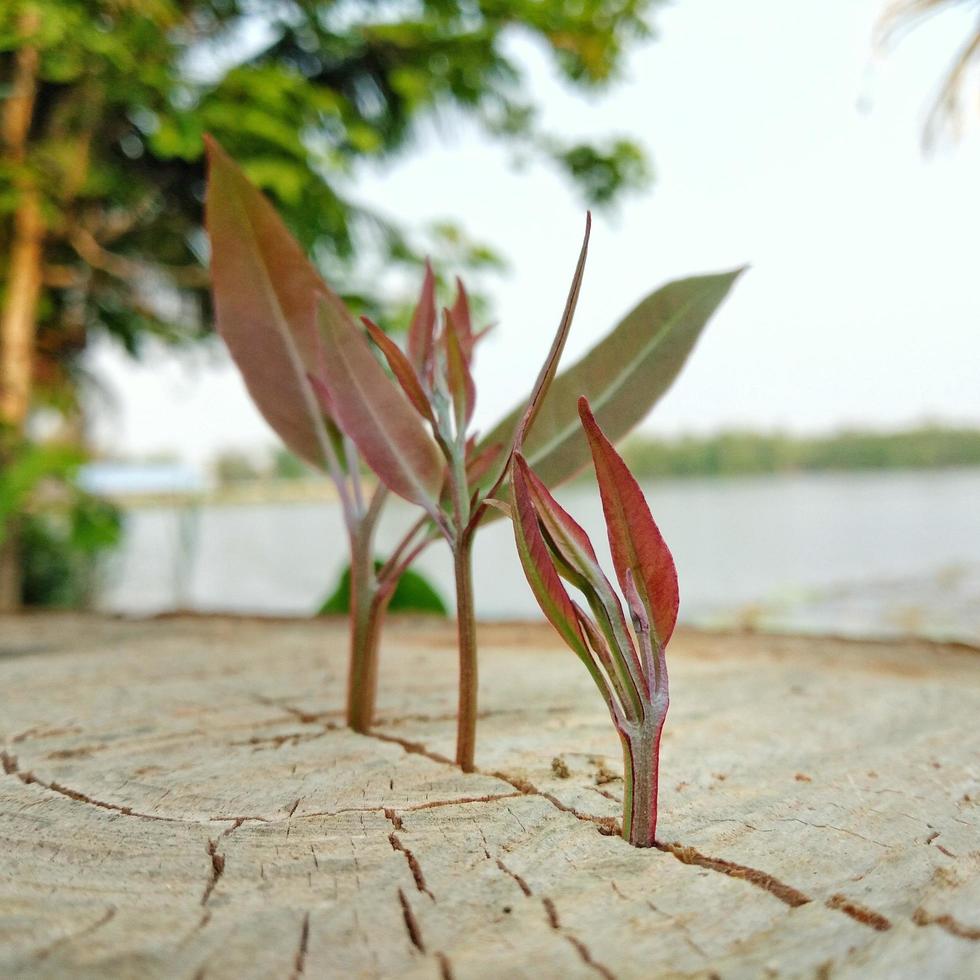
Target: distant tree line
(735, 453)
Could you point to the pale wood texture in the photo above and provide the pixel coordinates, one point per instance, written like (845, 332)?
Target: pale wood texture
(180, 800)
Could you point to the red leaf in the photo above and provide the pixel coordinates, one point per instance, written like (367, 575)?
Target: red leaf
(638, 548)
(458, 375)
(265, 293)
(567, 534)
(578, 563)
(464, 325)
(401, 368)
(540, 571)
(373, 411)
(422, 330)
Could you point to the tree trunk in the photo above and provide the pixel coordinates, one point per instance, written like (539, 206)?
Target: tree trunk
(181, 799)
(18, 324)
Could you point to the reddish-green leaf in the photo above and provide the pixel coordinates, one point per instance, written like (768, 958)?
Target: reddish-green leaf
(458, 377)
(576, 561)
(623, 376)
(373, 411)
(464, 324)
(265, 294)
(639, 551)
(401, 368)
(421, 333)
(550, 366)
(540, 571)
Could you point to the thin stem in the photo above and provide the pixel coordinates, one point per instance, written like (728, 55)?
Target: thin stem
(389, 580)
(466, 630)
(395, 557)
(367, 608)
(354, 473)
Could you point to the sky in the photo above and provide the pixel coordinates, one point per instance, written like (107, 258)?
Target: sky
(780, 136)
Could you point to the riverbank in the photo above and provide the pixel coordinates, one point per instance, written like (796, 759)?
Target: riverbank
(181, 800)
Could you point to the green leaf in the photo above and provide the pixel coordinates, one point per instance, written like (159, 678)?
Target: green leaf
(414, 593)
(623, 376)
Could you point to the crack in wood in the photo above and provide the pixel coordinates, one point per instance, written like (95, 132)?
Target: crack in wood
(411, 923)
(445, 967)
(859, 913)
(412, 748)
(217, 870)
(28, 778)
(521, 883)
(955, 928)
(608, 826)
(234, 826)
(299, 960)
(462, 801)
(413, 864)
(767, 882)
(106, 918)
(574, 941)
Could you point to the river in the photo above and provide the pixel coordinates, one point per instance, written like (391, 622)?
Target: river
(885, 553)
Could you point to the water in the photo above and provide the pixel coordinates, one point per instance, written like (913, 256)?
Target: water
(862, 553)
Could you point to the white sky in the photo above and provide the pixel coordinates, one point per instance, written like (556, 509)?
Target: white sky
(779, 138)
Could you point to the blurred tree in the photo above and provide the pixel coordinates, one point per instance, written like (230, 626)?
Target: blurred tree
(946, 112)
(287, 466)
(105, 102)
(232, 467)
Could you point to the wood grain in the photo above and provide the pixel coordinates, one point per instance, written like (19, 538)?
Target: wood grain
(180, 799)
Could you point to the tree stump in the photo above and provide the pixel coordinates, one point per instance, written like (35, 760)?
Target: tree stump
(180, 799)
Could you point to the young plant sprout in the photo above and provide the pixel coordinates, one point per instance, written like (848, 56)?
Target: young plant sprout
(628, 666)
(416, 437)
(314, 376)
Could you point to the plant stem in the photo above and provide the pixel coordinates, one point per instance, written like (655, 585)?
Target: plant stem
(466, 629)
(641, 763)
(367, 610)
(365, 630)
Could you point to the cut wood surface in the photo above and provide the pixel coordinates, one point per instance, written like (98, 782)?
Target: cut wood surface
(179, 798)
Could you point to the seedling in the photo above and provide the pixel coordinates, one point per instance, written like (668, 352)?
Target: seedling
(628, 665)
(417, 439)
(312, 373)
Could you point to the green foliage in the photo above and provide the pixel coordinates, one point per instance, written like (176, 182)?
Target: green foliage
(413, 594)
(25, 468)
(60, 531)
(234, 467)
(286, 466)
(61, 552)
(300, 93)
(738, 453)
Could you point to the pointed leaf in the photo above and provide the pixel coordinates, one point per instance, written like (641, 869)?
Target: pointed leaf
(623, 376)
(422, 329)
(401, 368)
(575, 560)
(458, 376)
(464, 324)
(642, 559)
(374, 412)
(540, 572)
(265, 293)
(550, 366)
